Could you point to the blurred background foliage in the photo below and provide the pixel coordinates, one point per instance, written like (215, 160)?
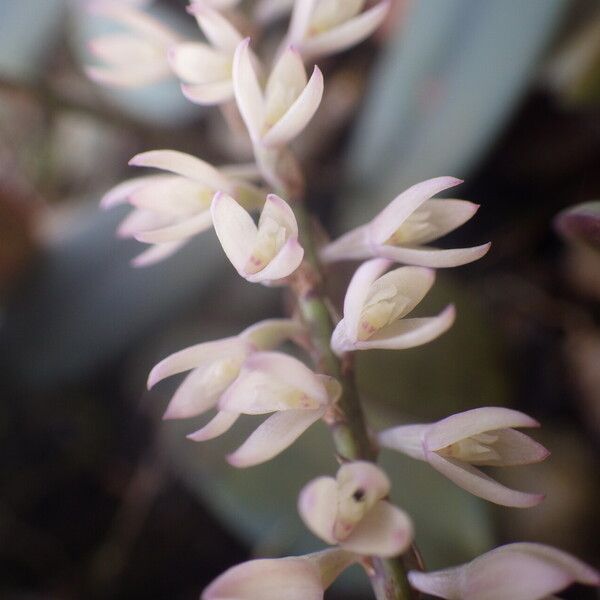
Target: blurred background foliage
(99, 498)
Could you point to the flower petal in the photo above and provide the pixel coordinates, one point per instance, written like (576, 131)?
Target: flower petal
(286, 82)
(198, 63)
(247, 90)
(283, 264)
(398, 210)
(300, 20)
(443, 584)
(156, 253)
(268, 579)
(194, 356)
(182, 230)
(270, 333)
(234, 228)
(407, 439)
(514, 448)
(171, 195)
(347, 34)
(217, 29)
(317, 505)
(184, 165)
(121, 192)
(384, 531)
(140, 220)
(472, 422)
(298, 115)
(273, 436)
(130, 76)
(353, 245)
(478, 483)
(361, 475)
(209, 93)
(433, 257)
(218, 425)
(280, 211)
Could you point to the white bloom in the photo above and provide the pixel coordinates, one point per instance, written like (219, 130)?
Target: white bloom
(375, 306)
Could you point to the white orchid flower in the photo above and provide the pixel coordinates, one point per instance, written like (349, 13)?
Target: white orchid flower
(289, 101)
(169, 209)
(135, 57)
(271, 382)
(375, 306)
(522, 571)
(402, 229)
(323, 27)
(215, 365)
(291, 578)
(350, 510)
(264, 253)
(482, 437)
(205, 68)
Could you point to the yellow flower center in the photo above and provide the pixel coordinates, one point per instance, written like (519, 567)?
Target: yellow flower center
(473, 449)
(382, 308)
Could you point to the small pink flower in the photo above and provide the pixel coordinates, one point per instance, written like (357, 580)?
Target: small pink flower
(402, 229)
(350, 510)
(483, 437)
(323, 27)
(516, 571)
(215, 365)
(375, 306)
(292, 578)
(264, 253)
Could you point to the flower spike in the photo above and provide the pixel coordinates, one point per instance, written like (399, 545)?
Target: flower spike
(375, 307)
(482, 437)
(521, 571)
(402, 229)
(350, 510)
(262, 254)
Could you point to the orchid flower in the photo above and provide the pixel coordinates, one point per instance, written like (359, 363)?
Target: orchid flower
(323, 27)
(271, 382)
(205, 69)
(291, 578)
(483, 437)
(375, 305)
(411, 220)
(289, 101)
(169, 209)
(135, 57)
(215, 365)
(522, 571)
(265, 253)
(350, 510)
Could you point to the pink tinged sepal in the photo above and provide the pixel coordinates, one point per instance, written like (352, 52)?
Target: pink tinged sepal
(218, 30)
(522, 571)
(407, 439)
(218, 425)
(291, 578)
(266, 253)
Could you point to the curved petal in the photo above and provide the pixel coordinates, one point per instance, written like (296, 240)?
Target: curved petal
(407, 439)
(441, 584)
(358, 291)
(340, 340)
(408, 333)
(182, 230)
(234, 228)
(247, 90)
(156, 253)
(283, 264)
(331, 563)
(121, 192)
(207, 94)
(218, 425)
(270, 333)
(317, 505)
(198, 63)
(194, 356)
(471, 422)
(514, 448)
(353, 245)
(268, 579)
(279, 210)
(347, 34)
(172, 195)
(398, 210)
(286, 82)
(217, 29)
(298, 115)
(300, 20)
(182, 164)
(479, 484)
(139, 220)
(433, 257)
(273, 436)
(384, 531)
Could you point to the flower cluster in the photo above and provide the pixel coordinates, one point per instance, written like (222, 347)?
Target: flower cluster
(249, 374)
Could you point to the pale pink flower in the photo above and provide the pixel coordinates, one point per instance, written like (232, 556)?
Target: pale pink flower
(375, 306)
(323, 27)
(264, 253)
(402, 229)
(289, 101)
(205, 68)
(271, 382)
(169, 209)
(351, 511)
(522, 571)
(215, 365)
(292, 578)
(482, 437)
(135, 57)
